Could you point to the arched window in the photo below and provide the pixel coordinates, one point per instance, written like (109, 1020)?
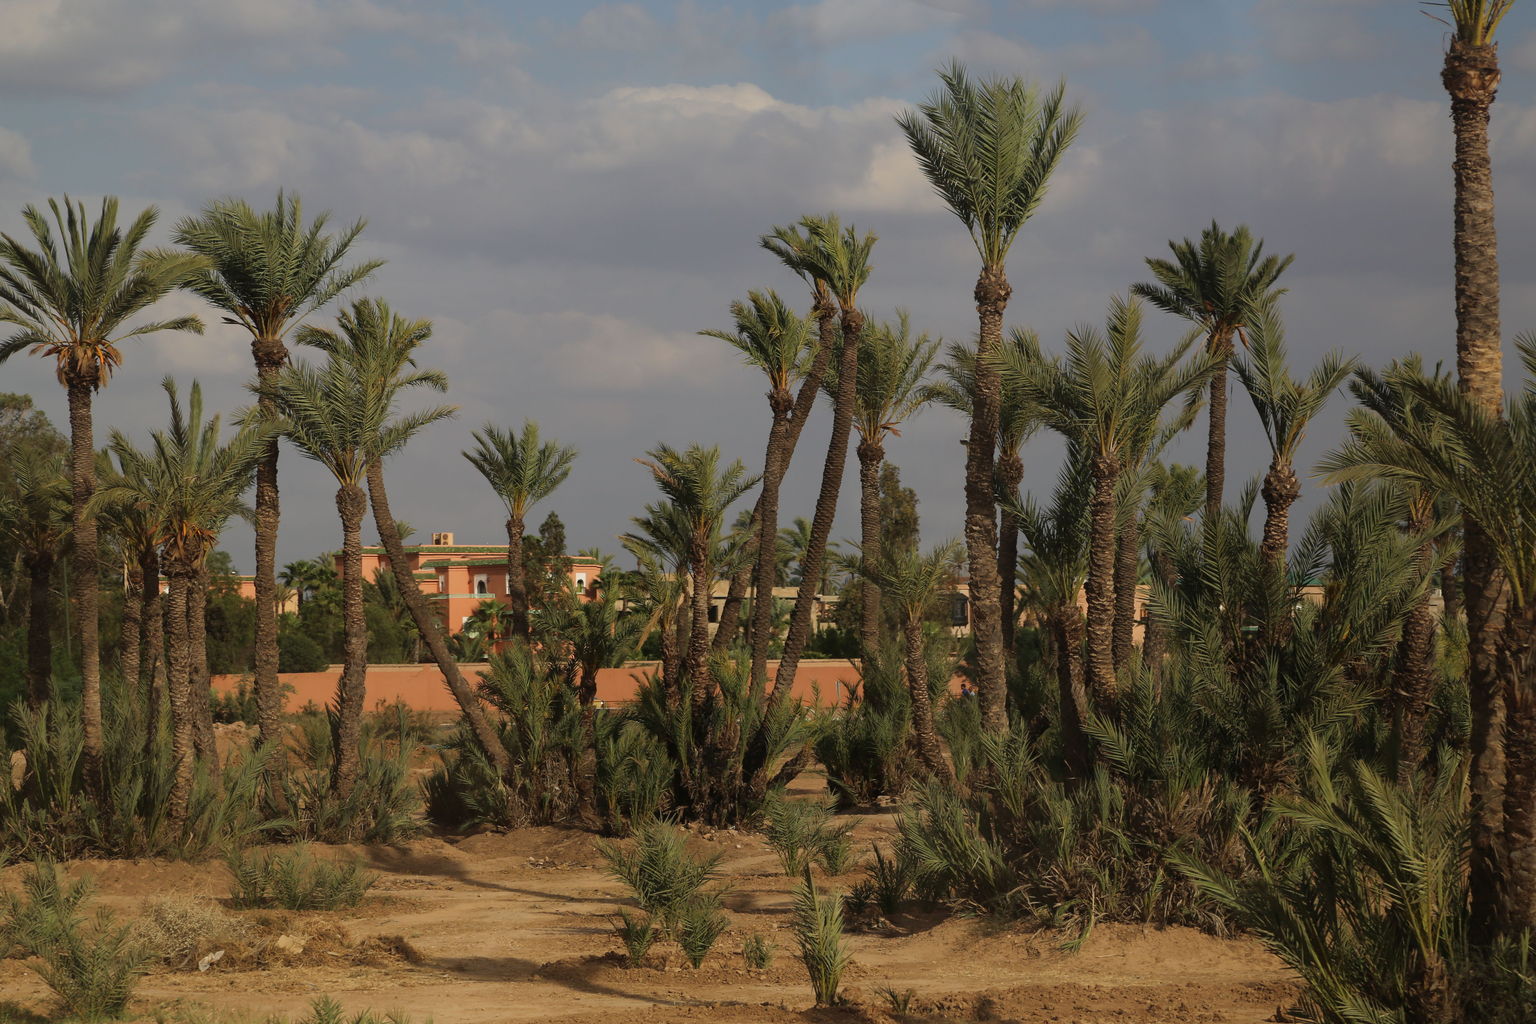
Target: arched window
(581, 582)
(482, 584)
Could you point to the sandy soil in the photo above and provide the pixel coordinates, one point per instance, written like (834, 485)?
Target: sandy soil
(516, 927)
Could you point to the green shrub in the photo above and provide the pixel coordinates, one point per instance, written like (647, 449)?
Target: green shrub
(835, 851)
(865, 745)
(890, 881)
(800, 831)
(326, 1010)
(637, 933)
(663, 876)
(92, 967)
(699, 924)
(296, 880)
(818, 927)
(757, 952)
(383, 806)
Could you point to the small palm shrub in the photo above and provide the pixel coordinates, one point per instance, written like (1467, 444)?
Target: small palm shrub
(889, 881)
(637, 933)
(757, 952)
(92, 967)
(296, 880)
(818, 928)
(699, 924)
(384, 805)
(663, 876)
(326, 1010)
(801, 832)
(866, 745)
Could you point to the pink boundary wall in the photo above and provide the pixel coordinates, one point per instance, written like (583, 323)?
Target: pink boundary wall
(422, 687)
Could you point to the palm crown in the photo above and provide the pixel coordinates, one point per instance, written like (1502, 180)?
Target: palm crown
(771, 337)
(697, 486)
(1285, 405)
(1218, 283)
(522, 468)
(893, 367)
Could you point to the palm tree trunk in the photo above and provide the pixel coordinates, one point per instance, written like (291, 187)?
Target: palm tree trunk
(270, 354)
(39, 628)
(871, 454)
(1517, 664)
(1471, 77)
(431, 629)
(1127, 576)
(788, 419)
(1413, 676)
(929, 751)
(180, 577)
(1280, 491)
(351, 688)
(131, 636)
(730, 615)
(201, 680)
(154, 646)
(1010, 474)
(1100, 585)
(992, 293)
(698, 634)
(517, 584)
(86, 574)
(1066, 627)
(671, 658)
(1220, 346)
(826, 507)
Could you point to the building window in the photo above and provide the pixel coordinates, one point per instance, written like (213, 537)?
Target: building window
(714, 612)
(958, 613)
(482, 584)
(581, 583)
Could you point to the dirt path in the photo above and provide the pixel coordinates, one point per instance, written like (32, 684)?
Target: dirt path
(517, 928)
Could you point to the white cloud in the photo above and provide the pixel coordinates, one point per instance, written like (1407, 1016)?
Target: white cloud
(15, 155)
(830, 22)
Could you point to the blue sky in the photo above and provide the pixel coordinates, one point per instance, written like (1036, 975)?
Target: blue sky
(571, 191)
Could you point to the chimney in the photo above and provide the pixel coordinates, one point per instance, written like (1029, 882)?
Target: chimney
(442, 539)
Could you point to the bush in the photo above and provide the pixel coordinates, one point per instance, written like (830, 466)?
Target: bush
(818, 927)
(638, 935)
(890, 881)
(297, 652)
(384, 805)
(699, 924)
(663, 876)
(179, 931)
(800, 831)
(296, 880)
(93, 968)
(757, 952)
(866, 745)
(326, 1010)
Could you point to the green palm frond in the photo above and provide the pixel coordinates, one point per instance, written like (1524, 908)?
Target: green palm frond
(892, 375)
(771, 337)
(1218, 283)
(523, 469)
(1284, 405)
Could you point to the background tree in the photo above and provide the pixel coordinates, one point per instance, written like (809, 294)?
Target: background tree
(988, 148)
(523, 470)
(35, 519)
(266, 272)
(72, 299)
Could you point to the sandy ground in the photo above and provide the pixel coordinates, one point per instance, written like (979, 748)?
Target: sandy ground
(517, 927)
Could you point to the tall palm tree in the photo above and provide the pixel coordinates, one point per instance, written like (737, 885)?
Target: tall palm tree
(893, 369)
(1285, 406)
(913, 583)
(267, 271)
(989, 149)
(36, 519)
(191, 485)
(523, 470)
(702, 492)
(660, 547)
(1216, 284)
(1107, 398)
(381, 345)
(1017, 420)
(72, 298)
(771, 337)
(1488, 465)
(1471, 78)
(143, 634)
(839, 257)
(327, 414)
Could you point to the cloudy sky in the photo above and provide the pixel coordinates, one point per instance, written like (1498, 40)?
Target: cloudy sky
(571, 191)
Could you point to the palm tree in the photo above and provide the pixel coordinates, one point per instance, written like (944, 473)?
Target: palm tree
(771, 337)
(1414, 672)
(1285, 406)
(327, 413)
(36, 519)
(1488, 465)
(307, 576)
(1218, 285)
(267, 271)
(523, 470)
(989, 149)
(913, 583)
(381, 346)
(1471, 78)
(701, 492)
(1017, 421)
(893, 368)
(839, 257)
(143, 634)
(1107, 398)
(190, 485)
(72, 299)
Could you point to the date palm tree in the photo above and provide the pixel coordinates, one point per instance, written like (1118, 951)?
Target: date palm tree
(893, 369)
(1471, 76)
(143, 635)
(1217, 284)
(190, 484)
(989, 149)
(1017, 420)
(36, 520)
(1488, 465)
(1107, 398)
(73, 299)
(268, 270)
(523, 470)
(913, 583)
(326, 412)
(771, 337)
(381, 345)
